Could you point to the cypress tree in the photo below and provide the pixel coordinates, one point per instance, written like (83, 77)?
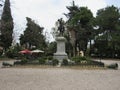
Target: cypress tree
(6, 27)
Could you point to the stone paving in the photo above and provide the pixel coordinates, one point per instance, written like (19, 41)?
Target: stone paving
(108, 62)
(58, 79)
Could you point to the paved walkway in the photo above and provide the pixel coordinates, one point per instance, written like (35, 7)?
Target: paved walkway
(8, 61)
(58, 79)
(108, 62)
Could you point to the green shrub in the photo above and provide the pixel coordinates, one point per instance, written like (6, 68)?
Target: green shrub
(83, 58)
(79, 59)
(23, 62)
(44, 57)
(97, 63)
(50, 57)
(12, 52)
(65, 62)
(55, 62)
(17, 62)
(42, 61)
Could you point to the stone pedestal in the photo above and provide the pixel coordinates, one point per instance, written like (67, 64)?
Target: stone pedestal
(60, 53)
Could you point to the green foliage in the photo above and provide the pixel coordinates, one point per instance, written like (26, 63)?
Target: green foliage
(55, 62)
(101, 64)
(12, 52)
(65, 62)
(108, 43)
(108, 18)
(6, 27)
(22, 62)
(81, 25)
(17, 62)
(51, 49)
(68, 45)
(86, 61)
(101, 46)
(50, 57)
(80, 21)
(33, 35)
(79, 59)
(42, 61)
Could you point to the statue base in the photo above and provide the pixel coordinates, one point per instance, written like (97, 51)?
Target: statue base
(60, 54)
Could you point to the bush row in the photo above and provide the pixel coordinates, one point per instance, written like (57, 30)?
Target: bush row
(50, 61)
(85, 61)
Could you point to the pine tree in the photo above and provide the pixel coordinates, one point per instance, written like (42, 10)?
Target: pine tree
(108, 21)
(80, 26)
(6, 27)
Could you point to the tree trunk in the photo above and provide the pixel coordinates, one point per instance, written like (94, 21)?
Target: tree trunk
(73, 41)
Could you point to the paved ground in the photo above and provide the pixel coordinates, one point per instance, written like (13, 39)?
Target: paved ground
(10, 61)
(108, 62)
(58, 79)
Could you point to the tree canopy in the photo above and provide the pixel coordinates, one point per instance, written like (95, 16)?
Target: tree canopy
(6, 27)
(33, 35)
(108, 22)
(79, 24)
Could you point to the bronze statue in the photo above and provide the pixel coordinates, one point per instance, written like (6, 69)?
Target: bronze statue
(61, 27)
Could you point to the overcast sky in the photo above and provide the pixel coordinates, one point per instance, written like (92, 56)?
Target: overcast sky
(47, 12)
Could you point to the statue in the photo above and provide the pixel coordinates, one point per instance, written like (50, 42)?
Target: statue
(60, 52)
(61, 27)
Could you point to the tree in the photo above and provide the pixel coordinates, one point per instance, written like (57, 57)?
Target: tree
(71, 25)
(6, 27)
(52, 46)
(33, 36)
(80, 26)
(84, 28)
(108, 21)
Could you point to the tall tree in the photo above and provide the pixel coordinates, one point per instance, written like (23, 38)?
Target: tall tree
(108, 22)
(80, 26)
(84, 27)
(33, 35)
(108, 18)
(6, 27)
(71, 25)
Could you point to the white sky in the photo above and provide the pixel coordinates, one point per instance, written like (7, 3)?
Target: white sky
(47, 12)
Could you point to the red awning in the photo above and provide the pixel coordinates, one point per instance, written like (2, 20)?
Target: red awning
(26, 51)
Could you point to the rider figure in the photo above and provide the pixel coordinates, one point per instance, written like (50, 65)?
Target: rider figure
(61, 27)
